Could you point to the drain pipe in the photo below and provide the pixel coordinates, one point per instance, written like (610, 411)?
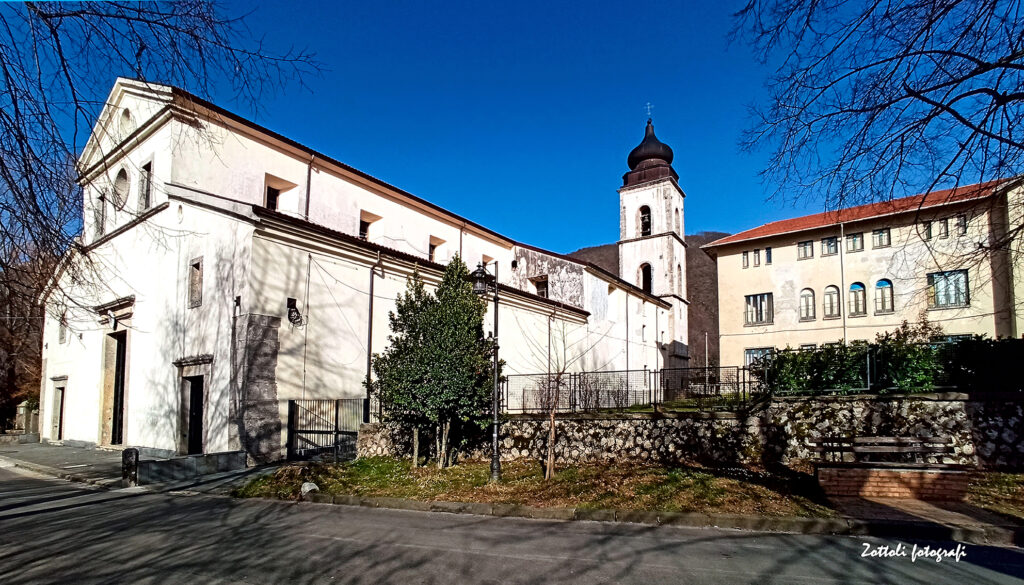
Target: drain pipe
(309, 177)
(842, 278)
(369, 339)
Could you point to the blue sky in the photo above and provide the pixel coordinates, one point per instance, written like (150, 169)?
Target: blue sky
(519, 116)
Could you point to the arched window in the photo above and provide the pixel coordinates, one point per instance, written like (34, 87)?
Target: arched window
(807, 305)
(858, 300)
(679, 226)
(883, 296)
(645, 221)
(831, 302)
(679, 279)
(646, 277)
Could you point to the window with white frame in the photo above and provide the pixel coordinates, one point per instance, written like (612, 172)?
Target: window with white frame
(767, 256)
(883, 297)
(805, 250)
(808, 347)
(961, 224)
(746, 259)
(855, 242)
(757, 257)
(881, 238)
(807, 305)
(926, 230)
(755, 355)
(829, 246)
(759, 310)
(830, 304)
(948, 289)
(858, 300)
(944, 227)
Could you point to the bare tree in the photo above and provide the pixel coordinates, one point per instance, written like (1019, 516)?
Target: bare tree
(876, 100)
(58, 61)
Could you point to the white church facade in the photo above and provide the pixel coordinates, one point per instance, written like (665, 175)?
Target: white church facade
(224, 269)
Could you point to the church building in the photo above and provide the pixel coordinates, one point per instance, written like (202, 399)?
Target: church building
(225, 269)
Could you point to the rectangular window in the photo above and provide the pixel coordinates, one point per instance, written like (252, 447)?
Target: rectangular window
(757, 257)
(756, 354)
(961, 224)
(542, 286)
(746, 259)
(364, 229)
(808, 347)
(926, 229)
(948, 289)
(195, 282)
(759, 309)
(944, 227)
(881, 238)
(829, 246)
(854, 242)
(62, 330)
(805, 250)
(99, 214)
(431, 249)
(767, 256)
(146, 187)
(272, 196)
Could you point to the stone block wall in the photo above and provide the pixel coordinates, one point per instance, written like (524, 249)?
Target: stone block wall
(259, 420)
(983, 432)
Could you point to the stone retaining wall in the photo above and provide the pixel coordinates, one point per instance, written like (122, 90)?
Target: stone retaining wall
(983, 432)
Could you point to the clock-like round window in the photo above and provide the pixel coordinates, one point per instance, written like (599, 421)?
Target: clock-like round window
(121, 189)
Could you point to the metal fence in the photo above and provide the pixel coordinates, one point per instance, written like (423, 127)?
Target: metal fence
(324, 427)
(676, 388)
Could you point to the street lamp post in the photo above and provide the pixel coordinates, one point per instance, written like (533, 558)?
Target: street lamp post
(480, 278)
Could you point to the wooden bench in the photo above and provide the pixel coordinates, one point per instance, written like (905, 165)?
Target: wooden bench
(889, 467)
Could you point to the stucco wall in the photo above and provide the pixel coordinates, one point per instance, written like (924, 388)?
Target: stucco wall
(905, 263)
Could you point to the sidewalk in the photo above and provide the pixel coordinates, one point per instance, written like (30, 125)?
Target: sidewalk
(102, 467)
(82, 464)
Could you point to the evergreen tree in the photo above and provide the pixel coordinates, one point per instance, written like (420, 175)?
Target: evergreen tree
(437, 370)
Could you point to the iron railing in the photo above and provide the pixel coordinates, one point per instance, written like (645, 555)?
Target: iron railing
(637, 390)
(321, 427)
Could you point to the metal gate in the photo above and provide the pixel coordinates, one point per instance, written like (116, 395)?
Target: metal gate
(324, 427)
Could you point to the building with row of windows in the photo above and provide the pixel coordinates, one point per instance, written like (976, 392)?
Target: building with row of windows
(951, 256)
(225, 269)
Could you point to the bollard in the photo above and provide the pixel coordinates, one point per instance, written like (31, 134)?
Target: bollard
(130, 467)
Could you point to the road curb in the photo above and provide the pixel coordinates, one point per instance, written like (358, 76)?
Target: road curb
(979, 535)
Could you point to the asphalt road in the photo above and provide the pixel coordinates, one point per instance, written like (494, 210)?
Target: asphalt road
(52, 531)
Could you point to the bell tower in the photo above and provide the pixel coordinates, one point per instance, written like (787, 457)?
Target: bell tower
(652, 249)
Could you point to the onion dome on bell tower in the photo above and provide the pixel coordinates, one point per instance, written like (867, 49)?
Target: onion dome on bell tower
(649, 161)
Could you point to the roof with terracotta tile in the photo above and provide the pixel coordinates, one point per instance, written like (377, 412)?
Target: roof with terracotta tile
(862, 212)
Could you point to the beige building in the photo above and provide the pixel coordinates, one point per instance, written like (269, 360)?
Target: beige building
(848, 275)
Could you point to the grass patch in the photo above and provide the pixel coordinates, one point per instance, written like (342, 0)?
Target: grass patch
(632, 487)
(1002, 493)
